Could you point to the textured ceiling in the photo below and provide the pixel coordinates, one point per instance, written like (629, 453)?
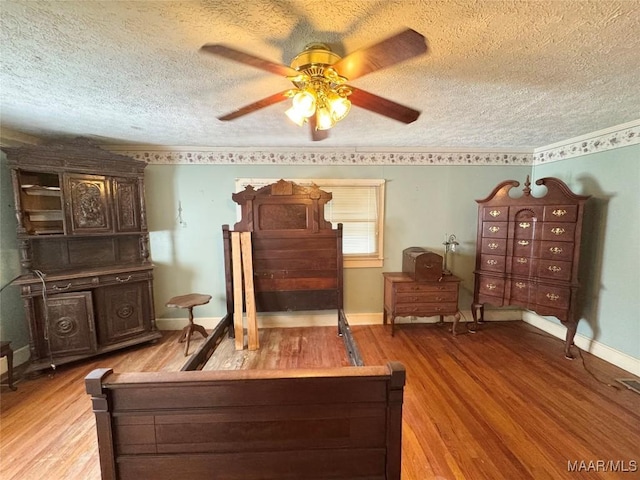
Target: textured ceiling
(499, 74)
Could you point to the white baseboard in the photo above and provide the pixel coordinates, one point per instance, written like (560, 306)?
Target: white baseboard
(600, 350)
(20, 356)
(329, 319)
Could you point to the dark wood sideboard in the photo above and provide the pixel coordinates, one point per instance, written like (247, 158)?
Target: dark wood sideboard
(87, 281)
(528, 251)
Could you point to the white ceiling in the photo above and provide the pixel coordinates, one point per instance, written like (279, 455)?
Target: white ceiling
(499, 74)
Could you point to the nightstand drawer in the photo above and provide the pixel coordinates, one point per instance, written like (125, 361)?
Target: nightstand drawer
(426, 297)
(433, 287)
(427, 309)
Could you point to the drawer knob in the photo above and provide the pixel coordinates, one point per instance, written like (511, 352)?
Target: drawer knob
(522, 260)
(493, 246)
(494, 229)
(495, 213)
(555, 250)
(553, 297)
(557, 231)
(524, 243)
(554, 268)
(559, 212)
(491, 286)
(123, 280)
(58, 289)
(521, 284)
(524, 224)
(492, 262)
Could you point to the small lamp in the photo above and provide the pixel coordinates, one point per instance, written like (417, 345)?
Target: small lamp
(450, 243)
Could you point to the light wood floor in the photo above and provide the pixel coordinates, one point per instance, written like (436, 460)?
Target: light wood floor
(500, 404)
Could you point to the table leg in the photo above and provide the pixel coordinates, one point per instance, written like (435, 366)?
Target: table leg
(10, 369)
(456, 319)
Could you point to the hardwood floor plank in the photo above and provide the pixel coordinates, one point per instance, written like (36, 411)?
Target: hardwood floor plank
(500, 404)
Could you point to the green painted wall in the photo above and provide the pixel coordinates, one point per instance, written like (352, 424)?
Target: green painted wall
(422, 204)
(610, 262)
(12, 322)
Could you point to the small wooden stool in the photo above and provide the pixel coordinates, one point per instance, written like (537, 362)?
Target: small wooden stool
(189, 301)
(7, 351)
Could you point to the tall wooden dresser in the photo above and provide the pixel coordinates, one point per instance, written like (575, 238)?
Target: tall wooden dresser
(87, 281)
(528, 251)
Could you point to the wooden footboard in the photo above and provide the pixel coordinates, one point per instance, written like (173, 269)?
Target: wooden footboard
(338, 423)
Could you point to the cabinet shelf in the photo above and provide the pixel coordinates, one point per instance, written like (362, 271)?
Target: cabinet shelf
(39, 190)
(44, 215)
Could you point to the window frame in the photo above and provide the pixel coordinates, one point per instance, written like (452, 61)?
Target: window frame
(374, 260)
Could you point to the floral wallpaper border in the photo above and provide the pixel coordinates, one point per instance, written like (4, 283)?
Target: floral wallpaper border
(166, 157)
(615, 137)
(626, 136)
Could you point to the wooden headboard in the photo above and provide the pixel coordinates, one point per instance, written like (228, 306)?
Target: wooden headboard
(297, 255)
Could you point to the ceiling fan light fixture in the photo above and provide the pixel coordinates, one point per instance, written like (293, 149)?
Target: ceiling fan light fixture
(304, 102)
(324, 118)
(339, 105)
(303, 105)
(295, 117)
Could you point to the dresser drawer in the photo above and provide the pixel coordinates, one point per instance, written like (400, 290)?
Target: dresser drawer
(426, 297)
(560, 213)
(427, 309)
(492, 263)
(523, 292)
(494, 246)
(526, 229)
(431, 287)
(497, 214)
(492, 286)
(531, 213)
(554, 269)
(525, 247)
(551, 296)
(559, 232)
(494, 229)
(557, 251)
(523, 266)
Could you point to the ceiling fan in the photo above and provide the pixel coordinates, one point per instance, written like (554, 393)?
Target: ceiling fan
(321, 96)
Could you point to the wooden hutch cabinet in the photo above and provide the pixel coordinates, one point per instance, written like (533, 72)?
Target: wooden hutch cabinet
(528, 251)
(87, 281)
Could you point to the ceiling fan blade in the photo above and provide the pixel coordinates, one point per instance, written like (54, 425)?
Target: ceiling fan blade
(248, 59)
(252, 107)
(317, 135)
(395, 49)
(383, 106)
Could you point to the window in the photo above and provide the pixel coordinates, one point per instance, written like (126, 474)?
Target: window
(357, 204)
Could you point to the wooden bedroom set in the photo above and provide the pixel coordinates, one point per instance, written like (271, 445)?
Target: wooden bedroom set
(81, 216)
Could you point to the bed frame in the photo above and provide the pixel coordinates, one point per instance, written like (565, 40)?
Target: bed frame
(312, 424)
